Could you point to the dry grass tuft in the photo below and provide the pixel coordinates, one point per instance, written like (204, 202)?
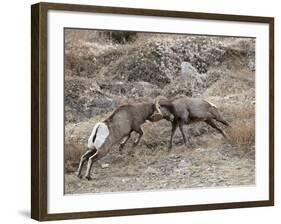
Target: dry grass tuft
(242, 133)
(72, 156)
(234, 111)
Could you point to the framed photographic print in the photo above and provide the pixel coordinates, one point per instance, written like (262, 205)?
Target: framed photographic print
(139, 111)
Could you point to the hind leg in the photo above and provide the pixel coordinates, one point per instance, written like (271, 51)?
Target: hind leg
(212, 124)
(83, 159)
(218, 117)
(99, 154)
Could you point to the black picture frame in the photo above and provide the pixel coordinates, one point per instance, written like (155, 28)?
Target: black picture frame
(39, 107)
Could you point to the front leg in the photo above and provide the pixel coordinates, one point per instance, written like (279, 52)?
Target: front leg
(174, 128)
(140, 132)
(124, 142)
(182, 132)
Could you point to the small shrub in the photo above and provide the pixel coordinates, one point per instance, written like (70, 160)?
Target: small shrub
(120, 37)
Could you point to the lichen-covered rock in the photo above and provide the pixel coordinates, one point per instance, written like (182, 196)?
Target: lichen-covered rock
(84, 99)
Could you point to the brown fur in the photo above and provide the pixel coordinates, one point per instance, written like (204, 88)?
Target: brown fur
(121, 123)
(186, 110)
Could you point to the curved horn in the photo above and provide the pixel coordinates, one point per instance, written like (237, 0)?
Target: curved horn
(157, 106)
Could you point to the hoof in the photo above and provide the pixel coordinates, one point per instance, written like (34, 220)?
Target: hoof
(78, 175)
(88, 177)
(131, 154)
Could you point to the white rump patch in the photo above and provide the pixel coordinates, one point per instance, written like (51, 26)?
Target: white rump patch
(213, 105)
(100, 133)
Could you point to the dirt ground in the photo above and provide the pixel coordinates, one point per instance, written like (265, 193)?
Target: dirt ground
(183, 167)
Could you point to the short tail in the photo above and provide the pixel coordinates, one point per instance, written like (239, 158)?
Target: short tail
(99, 135)
(93, 136)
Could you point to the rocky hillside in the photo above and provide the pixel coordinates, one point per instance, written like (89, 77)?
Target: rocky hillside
(100, 76)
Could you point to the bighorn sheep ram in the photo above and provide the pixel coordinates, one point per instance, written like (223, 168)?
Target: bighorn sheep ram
(118, 126)
(186, 110)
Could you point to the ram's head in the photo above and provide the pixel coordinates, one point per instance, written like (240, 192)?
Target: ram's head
(161, 112)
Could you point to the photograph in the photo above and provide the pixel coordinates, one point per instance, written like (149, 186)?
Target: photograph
(152, 111)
